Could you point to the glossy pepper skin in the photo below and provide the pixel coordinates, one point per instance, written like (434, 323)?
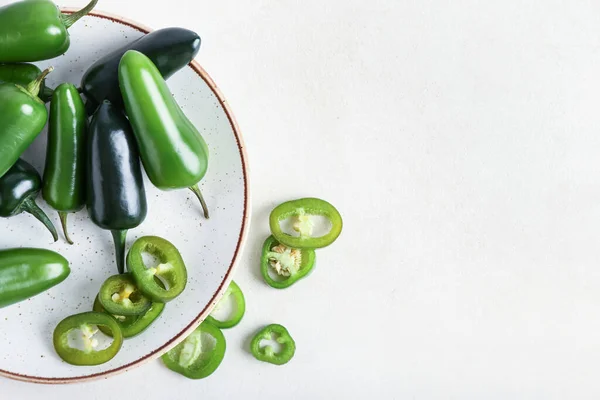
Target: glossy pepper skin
(173, 152)
(170, 49)
(26, 272)
(64, 174)
(266, 353)
(22, 74)
(24, 116)
(35, 30)
(131, 325)
(18, 189)
(116, 199)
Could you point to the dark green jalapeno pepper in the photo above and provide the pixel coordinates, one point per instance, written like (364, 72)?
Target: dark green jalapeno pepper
(24, 116)
(87, 324)
(239, 308)
(26, 272)
(170, 49)
(115, 188)
(121, 295)
(173, 152)
(64, 174)
(23, 74)
(35, 30)
(289, 265)
(131, 325)
(266, 353)
(197, 357)
(18, 189)
(170, 270)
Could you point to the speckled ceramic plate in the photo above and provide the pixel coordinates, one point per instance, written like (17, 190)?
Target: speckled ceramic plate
(209, 247)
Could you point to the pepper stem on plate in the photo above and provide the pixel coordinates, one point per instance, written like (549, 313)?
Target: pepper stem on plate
(63, 221)
(70, 19)
(196, 190)
(30, 206)
(119, 237)
(34, 87)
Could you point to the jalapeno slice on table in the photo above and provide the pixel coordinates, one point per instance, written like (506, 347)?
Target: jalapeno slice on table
(171, 269)
(87, 323)
(266, 353)
(239, 308)
(131, 325)
(121, 295)
(302, 210)
(197, 356)
(288, 264)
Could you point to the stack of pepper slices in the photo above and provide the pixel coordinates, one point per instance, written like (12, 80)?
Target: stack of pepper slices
(93, 159)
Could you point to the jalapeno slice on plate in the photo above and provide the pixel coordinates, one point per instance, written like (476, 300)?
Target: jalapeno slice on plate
(87, 323)
(239, 308)
(170, 271)
(121, 295)
(199, 355)
(131, 325)
(302, 210)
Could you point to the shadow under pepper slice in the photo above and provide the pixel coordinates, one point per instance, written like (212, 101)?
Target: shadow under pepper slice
(64, 174)
(19, 187)
(87, 323)
(170, 270)
(131, 325)
(236, 316)
(36, 30)
(197, 357)
(120, 295)
(302, 209)
(289, 264)
(266, 353)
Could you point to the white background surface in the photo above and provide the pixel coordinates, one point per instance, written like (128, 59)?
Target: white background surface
(460, 142)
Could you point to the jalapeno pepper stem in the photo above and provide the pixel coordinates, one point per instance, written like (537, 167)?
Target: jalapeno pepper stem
(119, 237)
(196, 190)
(70, 19)
(32, 208)
(34, 87)
(63, 221)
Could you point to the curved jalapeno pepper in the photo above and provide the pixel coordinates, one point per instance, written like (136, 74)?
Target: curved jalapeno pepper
(170, 270)
(193, 358)
(86, 323)
(131, 325)
(266, 353)
(289, 264)
(64, 175)
(22, 74)
(302, 209)
(120, 295)
(239, 308)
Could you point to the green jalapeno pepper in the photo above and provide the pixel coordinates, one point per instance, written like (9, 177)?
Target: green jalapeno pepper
(289, 264)
(87, 323)
(116, 199)
(170, 49)
(19, 187)
(121, 295)
(173, 152)
(131, 325)
(302, 209)
(23, 74)
(170, 270)
(197, 357)
(236, 316)
(26, 272)
(266, 353)
(64, 174)
(35, 30)
(24, 116)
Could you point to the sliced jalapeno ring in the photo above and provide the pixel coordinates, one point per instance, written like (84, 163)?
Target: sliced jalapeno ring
(195, 357)
(302, 209)
(234, 292)
(87, 323)
(289, 264)
(131, 325)
(266, 353)
(170, 270)
(121, 295)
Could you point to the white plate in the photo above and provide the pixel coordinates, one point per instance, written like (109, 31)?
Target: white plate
(209, 247)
